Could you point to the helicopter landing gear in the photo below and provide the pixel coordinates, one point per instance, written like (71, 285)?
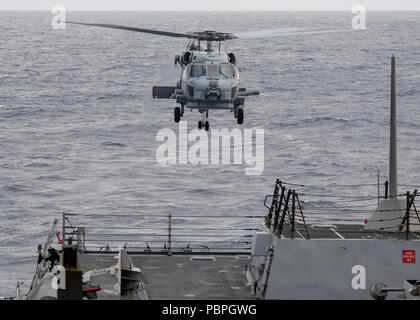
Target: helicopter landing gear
(238, 109)
(204, 124)
(177, 114)
(240, 116)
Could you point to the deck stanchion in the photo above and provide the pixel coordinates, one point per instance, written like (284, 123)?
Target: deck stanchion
(379, 190)
(303, 216)
(274, 204)
(406, 219)
(293, 214)
(278, 209)
(285, 208)
(407, 216)
(64, 227)
(169, 233)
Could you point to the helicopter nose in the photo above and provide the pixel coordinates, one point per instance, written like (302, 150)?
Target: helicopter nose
(213, 88)
(213, 84)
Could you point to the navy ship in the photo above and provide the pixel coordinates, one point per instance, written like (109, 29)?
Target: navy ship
(277, 255)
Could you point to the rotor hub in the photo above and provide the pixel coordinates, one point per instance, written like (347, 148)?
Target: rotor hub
(210, 35)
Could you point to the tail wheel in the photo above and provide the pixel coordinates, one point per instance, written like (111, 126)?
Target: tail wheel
(240, 118)
(177, 114)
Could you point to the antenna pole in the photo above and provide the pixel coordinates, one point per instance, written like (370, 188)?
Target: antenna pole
(393, 182)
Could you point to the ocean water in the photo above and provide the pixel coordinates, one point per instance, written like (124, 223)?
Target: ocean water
(78, 123)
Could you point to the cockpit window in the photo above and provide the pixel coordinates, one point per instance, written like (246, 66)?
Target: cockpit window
(212, 71)
(198, 70)
(226, 72)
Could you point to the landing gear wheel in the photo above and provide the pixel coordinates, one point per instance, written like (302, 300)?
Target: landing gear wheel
(200, 125)
(207, 126)
(177, 114)
(240, 116)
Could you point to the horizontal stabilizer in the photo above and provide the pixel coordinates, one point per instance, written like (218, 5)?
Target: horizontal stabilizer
(164, 92)
(249, 93)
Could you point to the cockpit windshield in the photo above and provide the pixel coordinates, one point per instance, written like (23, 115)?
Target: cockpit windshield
(226, 71)
(198, 70)
(212, 71)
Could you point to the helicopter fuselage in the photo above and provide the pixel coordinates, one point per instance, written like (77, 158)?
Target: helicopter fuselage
(209, 80)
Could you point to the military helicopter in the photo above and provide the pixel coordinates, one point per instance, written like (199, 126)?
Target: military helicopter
(209, 79)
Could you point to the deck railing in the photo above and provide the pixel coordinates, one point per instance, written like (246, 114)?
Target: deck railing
(160, 233)
(286, 210)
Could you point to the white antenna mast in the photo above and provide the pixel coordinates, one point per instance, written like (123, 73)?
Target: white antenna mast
(393, 177)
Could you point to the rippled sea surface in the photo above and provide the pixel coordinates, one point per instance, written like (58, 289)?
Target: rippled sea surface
(78, 123)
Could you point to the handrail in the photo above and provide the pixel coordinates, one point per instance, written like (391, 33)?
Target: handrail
(191, 230)
(286, 206)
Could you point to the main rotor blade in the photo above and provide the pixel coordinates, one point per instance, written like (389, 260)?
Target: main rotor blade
(114, 26)
(284, 32)
(218, 36)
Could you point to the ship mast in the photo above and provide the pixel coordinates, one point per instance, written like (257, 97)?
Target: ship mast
(393, 180)
(390, 209)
